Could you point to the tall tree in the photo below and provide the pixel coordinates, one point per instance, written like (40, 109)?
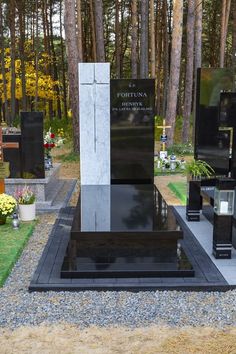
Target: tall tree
(3, 71)
(21, 12)
(93, 32)
(54, 61)
(198, 34)
(63, 64)
(234, 36)
(189, 70)
(79, 29)
(117, 39)
(134, 39)
(165, 55)
(12, 16)
(98, 12)
(174, 67)
(224, 28)
(152, 39)
(144, 43)
(72, 50)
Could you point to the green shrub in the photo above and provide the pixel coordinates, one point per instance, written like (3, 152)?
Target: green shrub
(181, 149)
(57, 124)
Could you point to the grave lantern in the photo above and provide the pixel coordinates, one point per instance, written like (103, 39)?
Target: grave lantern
(223, 211)
(172, 162)
(224, 201)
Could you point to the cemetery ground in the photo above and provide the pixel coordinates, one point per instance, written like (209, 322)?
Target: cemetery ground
(110, 322)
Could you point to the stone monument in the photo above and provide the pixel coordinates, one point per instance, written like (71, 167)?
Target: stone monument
(122, 226)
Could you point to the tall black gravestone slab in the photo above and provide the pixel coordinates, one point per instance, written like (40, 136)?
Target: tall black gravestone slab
(132, 131)
(13, 155)
(32, 149)
(227, 124)
(211, 143)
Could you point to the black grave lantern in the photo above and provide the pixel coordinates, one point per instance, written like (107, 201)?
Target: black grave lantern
(223, 211)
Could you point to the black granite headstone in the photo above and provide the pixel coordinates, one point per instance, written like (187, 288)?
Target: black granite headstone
(13, 156)
(132, 131)
(211, 143)
(32, 145)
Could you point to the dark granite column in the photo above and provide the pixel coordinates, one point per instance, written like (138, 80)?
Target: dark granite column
(194, 200)
(32, 150)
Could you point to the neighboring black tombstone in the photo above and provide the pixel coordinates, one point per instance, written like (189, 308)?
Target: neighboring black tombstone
(32, 150)
(227, 124)
(13, 155)
(132, 131)
(211, 143)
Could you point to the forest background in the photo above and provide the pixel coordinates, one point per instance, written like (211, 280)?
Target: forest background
(42, 41)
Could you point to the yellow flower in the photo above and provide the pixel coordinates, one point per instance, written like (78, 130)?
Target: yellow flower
(7, 204)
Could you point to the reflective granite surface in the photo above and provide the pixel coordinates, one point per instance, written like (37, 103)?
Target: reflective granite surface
(122, 208)
(124, 231)
(132, 130)
(213, 111)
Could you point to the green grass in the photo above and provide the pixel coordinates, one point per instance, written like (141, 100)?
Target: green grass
(70, 157)
(180, 190)
(166, 172)
(12, 243)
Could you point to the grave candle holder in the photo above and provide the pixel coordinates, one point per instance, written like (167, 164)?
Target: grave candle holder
(224, 197)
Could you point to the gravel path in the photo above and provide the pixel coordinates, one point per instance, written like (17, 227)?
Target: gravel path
(18, 307)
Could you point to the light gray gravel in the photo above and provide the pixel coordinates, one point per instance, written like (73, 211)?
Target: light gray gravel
(19, 307)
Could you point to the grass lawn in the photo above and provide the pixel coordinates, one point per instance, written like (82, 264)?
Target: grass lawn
(180, 190)
(12, 243)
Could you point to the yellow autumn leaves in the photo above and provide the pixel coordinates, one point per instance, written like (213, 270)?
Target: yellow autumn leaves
(38, 80)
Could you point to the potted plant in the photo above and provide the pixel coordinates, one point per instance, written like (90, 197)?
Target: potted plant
(196, 169)
(7, 207)
(26, 203)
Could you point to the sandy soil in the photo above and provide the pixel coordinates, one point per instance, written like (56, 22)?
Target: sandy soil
(150, 340)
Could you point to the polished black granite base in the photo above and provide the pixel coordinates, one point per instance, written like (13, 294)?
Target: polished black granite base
(124, 231)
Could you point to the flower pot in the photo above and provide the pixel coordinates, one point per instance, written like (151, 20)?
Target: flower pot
(27, 212)
(3, 219)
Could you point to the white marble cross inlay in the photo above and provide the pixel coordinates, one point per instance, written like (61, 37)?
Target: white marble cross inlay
(94, 110)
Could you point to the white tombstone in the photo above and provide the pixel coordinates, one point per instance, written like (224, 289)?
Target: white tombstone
(94, 111)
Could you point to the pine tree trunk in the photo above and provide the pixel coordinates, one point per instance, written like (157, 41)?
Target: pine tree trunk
(189, 71)
(55, 69)
(134, 39)
(165, 57)
(117, 40)
(94, 51)
(63, 65)
(21, 11)
(13, 58)
(72, 51)
(174, 67)
(100, 48)
(3, 71)
(79, 29)
(36, 46)
(224, 28)
(144, 39)
(152, 40)
(234, 36)
(198, 35)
